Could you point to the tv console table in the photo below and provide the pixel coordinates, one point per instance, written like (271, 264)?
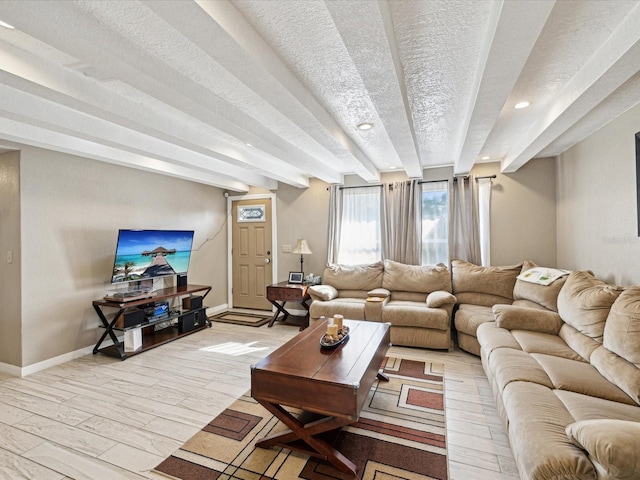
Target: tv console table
(150, 336)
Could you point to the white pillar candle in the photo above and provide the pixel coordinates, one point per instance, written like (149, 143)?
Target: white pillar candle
(337, 320)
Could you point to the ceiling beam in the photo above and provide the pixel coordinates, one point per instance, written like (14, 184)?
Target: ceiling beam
(607, 69)
(510, 36)
(329, 134)
(35, 136)
(94, 45)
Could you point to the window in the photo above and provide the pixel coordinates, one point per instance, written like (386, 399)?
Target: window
(435, 223)
(360, 232)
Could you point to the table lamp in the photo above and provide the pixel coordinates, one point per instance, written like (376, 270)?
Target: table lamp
(302, 247)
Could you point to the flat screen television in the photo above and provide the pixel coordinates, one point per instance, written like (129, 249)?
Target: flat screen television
(146, 254)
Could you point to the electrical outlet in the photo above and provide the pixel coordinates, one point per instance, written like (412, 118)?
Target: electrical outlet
(286, 248)
(9, 256)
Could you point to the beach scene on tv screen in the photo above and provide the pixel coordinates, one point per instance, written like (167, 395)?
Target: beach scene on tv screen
(144, 254)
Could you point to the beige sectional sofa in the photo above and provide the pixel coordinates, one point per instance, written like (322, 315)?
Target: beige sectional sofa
(565, 374)
(416, 300)
(478, 289)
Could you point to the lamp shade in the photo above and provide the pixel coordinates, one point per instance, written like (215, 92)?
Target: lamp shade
(302, 247)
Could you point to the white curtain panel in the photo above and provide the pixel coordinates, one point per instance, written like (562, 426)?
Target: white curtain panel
(484, 219)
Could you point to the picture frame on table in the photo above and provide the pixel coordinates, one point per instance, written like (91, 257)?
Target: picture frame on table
(296, 277)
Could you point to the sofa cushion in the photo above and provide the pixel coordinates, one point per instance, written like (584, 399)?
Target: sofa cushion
(537, 342)
(491, 338)
(379, 293)
(617, 370)
(622, 328)
(415, 278)
(543, 295)
(613, 444)
(348, 307)
(584, 303)
(579, 377)
(469, 317)
(521, 318)
(354, 277)
(483, 285)
(412, 314)
(323, 292)
(578, 342)
(586, 407)
(508, 365)
(537, 422)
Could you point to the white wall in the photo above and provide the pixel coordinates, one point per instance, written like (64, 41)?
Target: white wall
(596, 203)
(72, 209)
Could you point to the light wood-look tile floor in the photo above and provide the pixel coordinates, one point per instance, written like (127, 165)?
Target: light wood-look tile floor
(98, 418)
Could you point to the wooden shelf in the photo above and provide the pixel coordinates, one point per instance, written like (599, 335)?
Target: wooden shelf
(150, 337)
(153, 339)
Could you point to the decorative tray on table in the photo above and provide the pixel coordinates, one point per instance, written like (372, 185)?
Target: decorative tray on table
(331, 341)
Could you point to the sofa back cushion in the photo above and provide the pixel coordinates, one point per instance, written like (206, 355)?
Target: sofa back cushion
(584, 303)
(622, 328)
(400, 277)
(527, 294)
(353, 277)
(486, 286)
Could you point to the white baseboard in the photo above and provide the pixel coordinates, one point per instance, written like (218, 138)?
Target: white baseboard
(51, 362)
(66, 357)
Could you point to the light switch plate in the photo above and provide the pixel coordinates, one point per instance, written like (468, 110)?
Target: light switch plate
(286, 248)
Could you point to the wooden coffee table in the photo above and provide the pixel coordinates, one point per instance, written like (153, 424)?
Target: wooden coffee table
(330, 386)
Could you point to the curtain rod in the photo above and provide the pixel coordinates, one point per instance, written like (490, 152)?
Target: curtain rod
(466, 177)
(431, 181)
(359, 186)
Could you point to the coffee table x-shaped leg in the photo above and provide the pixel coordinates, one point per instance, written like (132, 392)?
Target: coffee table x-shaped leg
(307, 432)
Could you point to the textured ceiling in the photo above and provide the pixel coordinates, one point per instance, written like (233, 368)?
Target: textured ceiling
(182, 87)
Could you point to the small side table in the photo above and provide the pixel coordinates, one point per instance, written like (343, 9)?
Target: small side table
(281, 293)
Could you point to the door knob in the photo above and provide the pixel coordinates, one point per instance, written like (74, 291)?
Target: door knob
(267, 260)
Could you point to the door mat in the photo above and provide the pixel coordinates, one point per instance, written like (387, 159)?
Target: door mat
(400, 434)
(248, 319)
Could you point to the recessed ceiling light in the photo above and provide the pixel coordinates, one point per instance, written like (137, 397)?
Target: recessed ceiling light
(392, 168)
(486, 158)
(6, 25)
(521, 105)
(248, 144)
(365, 126)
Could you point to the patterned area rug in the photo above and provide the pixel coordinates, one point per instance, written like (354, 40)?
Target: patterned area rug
(249, 319)
(400, 435)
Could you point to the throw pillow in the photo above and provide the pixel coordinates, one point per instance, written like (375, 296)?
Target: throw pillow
(323, 292)
(511, 317)
(440, 299)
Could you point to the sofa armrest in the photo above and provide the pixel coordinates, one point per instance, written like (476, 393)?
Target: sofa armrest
(373, 307)
(511, 317)
(612, 445)
(439, 299)
(322, 292)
